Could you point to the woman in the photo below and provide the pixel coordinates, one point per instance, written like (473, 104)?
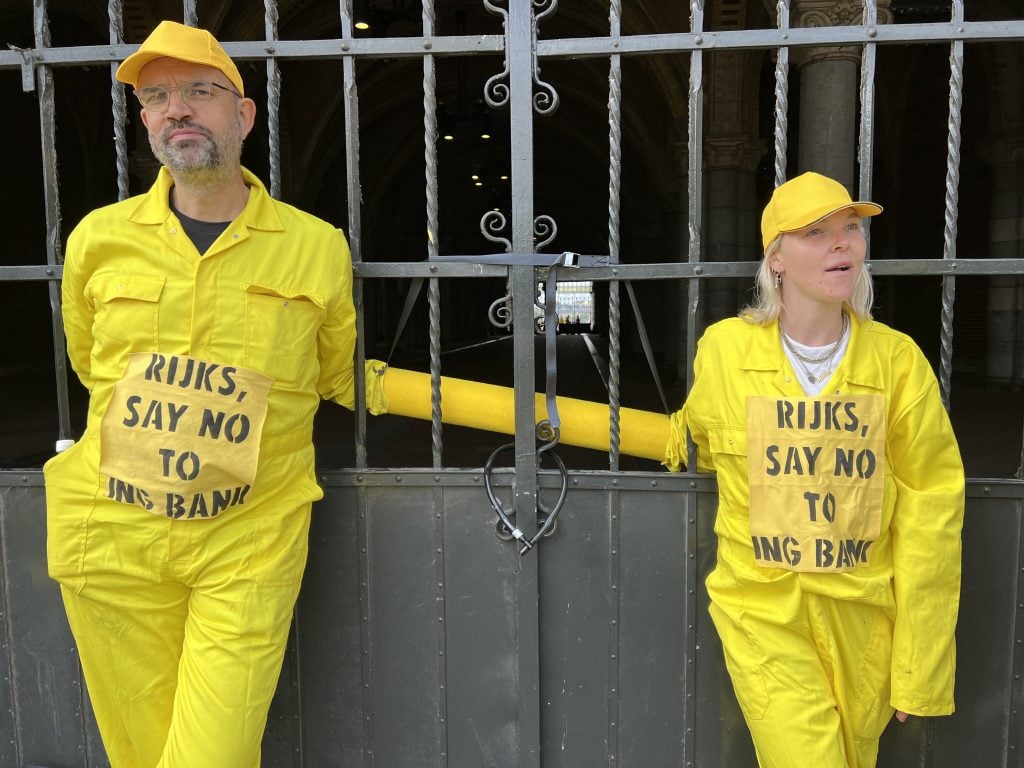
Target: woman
(841, 491)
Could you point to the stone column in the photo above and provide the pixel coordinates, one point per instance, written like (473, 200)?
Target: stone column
(1004, 357)
(731, 218)
(829, 89)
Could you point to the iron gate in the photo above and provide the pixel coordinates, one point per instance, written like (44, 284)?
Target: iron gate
(422, 637)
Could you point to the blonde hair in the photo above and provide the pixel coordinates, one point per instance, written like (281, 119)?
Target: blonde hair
(767, 304)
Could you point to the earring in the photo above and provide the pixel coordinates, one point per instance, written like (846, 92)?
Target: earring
(778, 278)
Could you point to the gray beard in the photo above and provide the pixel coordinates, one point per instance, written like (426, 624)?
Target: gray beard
(198, 163)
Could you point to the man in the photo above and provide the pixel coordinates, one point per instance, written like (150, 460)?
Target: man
(206, 320)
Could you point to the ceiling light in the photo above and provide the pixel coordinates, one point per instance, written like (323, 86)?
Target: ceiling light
(485, 135)
(362, 25)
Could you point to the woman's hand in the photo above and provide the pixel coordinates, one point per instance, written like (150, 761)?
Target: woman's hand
(901, 716)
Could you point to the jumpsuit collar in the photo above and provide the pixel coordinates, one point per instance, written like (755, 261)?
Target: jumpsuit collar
(860, 367)
(259, 211)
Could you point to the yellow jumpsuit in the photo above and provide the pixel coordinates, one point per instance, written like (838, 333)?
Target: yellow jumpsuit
(181, 624)
(819, 660)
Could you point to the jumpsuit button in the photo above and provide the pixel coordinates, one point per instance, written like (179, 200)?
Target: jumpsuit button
(236, 236)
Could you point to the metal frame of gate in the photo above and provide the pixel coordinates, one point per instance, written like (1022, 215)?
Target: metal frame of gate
(387, 594)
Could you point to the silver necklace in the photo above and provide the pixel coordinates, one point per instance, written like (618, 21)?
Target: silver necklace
(807, 361)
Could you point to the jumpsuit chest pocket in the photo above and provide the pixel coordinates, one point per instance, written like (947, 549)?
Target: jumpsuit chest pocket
(126, 319)
(281, 331)
(728, 446)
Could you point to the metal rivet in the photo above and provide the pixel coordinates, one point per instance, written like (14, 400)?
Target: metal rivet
(699, 40)
(432, 267)
(345, 46)
(698, 270)
(427, 44)
(654, 483)
(872, 32)
(49, 272)
(270, 49)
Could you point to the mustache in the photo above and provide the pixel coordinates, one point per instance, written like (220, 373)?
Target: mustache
(177, 125)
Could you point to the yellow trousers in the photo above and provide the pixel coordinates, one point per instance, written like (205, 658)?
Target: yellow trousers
(181, 626)
(814, 691)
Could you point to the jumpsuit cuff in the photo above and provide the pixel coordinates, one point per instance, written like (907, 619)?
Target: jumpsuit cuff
(376, 400)
(675, 450)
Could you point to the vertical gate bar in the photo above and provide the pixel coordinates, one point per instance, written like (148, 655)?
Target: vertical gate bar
(956, 86)
(354, 193)
(866, 143)
(614, 342)
(355, 234)
(434, 309)
(781, 97)
(118, 100)
(54, 256)
(520, 50)
(433, 286)
(695, 141)
(189, 15)
(614, 207)
(293, 658)
(273, 99)
(695, 131)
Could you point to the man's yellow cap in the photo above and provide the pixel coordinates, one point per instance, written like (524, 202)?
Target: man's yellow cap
(177, 41)
(805, 199)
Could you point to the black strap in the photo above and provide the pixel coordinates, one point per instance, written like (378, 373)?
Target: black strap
(646, 343)
(410, 301)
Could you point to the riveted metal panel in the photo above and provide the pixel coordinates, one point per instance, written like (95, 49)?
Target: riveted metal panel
(614, 599)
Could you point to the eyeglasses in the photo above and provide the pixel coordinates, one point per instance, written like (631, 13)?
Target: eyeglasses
(156, 98)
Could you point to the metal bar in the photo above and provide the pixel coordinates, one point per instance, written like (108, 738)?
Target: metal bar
(298, 50)
(118, 103)
(273, 99)
(354, 189)
(51, 186)
(654, 271)
(614, 371)
(434, 310)
(433, 287)
(614, 209)
(781, 97)
(956, 87)
(520, 30)
(582, 47)
(695, 174)
(939, 32)
(190, 17)
(355, 233)
(866, 142)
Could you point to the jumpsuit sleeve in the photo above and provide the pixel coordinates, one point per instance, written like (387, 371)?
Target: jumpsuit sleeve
(688, 418)
(336, 339)
(77, 310)
(926, 527)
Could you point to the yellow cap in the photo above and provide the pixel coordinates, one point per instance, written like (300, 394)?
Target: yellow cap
(805, 199)
(176, 41)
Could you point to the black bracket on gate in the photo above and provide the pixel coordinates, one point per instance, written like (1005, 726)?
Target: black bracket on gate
(547, 439)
